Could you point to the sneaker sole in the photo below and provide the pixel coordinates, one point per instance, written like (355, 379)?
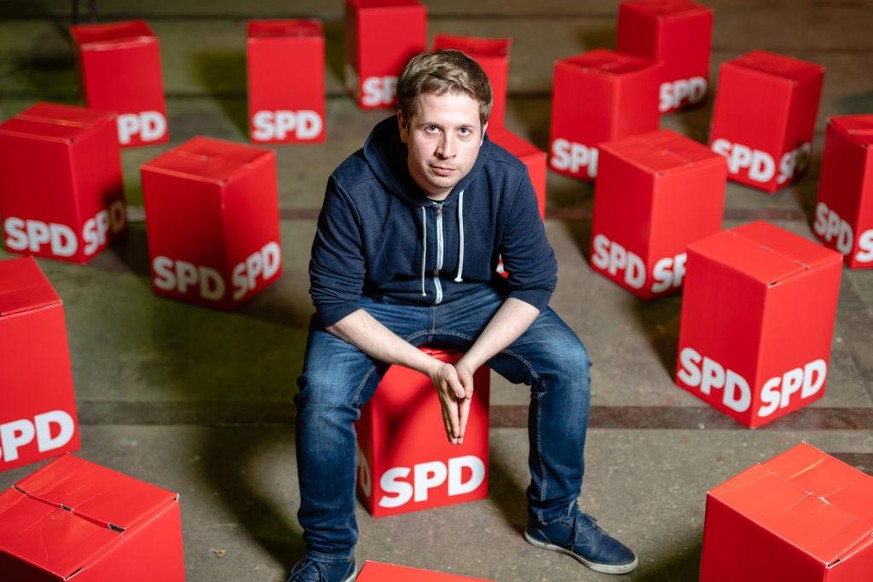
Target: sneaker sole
(596, 566)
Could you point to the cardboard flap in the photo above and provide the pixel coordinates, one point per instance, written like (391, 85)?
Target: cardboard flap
(668, 8)
(112, 35)
(513, 143)
(473, 46)
(662, 150)
(24, 287)
(608, 62)
(294, 28)
(747, 257)
(858, 127)
(358, 4)
(102, 496)
(381, 572)
(209, 159)
(806, 252)
(778, 65)
(54, 121)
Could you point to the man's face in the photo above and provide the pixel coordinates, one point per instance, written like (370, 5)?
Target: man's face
(443, 138)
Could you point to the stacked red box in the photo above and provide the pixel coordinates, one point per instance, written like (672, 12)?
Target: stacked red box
(599, 96)
(844, 208)
(380, 38)
(405, 462)
(120, 68)
(757, 321)
(75, 520)
(286, 81)
(380, 572)
(679, 33)
(533, 157)
(212, 213)
(655, 193)
(61, 185)
(764, 116)
(802, 516)
(492, 54)
(37, 402)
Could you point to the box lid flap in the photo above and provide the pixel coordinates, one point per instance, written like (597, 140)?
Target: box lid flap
(94, 493)
(473, 46)
(858, 127)
(373, 571)
(608, 62)
(381, 3)
(112, 35)
(55, 121)
(24, 287)
(778, 65)
(662, 150)
(674, 8)
(209, 159)
(512, 142)
(285, 28)
(778, 240)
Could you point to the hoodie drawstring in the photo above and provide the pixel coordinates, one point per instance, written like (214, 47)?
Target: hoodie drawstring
(460, 276)
(423, 249)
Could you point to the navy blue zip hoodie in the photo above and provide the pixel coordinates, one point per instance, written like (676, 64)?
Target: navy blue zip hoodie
(379, 235)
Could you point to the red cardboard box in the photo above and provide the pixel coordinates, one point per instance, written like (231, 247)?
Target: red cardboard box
(405, 462)
(61, 186)
(844, 209)
(213, 222)
(380, 572)
(286, 81)
(599, 96)
(380, 38)
(801, 516)
(120, 68)
(763, 118)
(757, 321)
(533, 157)
(37, 402)
(75, 520)
(655, 193)
(492, 54)
(679, 33)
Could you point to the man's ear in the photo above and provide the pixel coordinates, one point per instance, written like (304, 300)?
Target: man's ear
(484, 129)
(404, 127)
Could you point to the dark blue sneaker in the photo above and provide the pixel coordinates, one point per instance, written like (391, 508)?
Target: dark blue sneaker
(577, 534)
(307, 570)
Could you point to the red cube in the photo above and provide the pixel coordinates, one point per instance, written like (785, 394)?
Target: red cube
(757, 321)
(599, 96)
(379, 572)
(533, 157)
(286, 81)
(380, 38)
(492, 54)
(212, 213)
(61, 185)
(655, 193)
(844, 209)
(802, 516)
(37, 403)
(120, 68)
(75, 520)
(405, 462)
(764, 115)
(677, 32)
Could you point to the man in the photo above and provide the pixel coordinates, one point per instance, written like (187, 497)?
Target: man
(409, 237)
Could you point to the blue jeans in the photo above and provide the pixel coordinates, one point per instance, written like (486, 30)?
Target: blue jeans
(338, 379)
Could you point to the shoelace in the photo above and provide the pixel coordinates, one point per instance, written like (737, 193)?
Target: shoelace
(310, 565)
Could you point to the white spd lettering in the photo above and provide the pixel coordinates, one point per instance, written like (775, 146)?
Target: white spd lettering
(777, 392)
(263, 263)
(31, 235)
(760, 165)
(865, 247)
(52, 430)
(173, 275)
(829, 226)
(567, 155)
(427, 476)
(365, 479)
(684, 91)
(303, 124)
(378, 91)
(705, 373)
(668, 273)
(104, 222)
(612, 257)
(148, 125)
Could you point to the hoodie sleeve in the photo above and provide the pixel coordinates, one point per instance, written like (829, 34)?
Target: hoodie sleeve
(526, 253)
(336, 269)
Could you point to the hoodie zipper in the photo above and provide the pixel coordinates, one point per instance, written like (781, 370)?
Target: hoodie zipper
(440, 252)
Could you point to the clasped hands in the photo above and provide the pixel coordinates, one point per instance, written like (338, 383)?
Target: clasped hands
(454, 386)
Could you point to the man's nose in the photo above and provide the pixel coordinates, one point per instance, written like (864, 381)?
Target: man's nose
(446, 147)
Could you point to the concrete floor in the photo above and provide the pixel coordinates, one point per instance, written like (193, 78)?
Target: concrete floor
(199, 401)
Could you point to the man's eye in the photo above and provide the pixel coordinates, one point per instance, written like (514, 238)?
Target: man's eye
(431, 129)
(465, 131)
